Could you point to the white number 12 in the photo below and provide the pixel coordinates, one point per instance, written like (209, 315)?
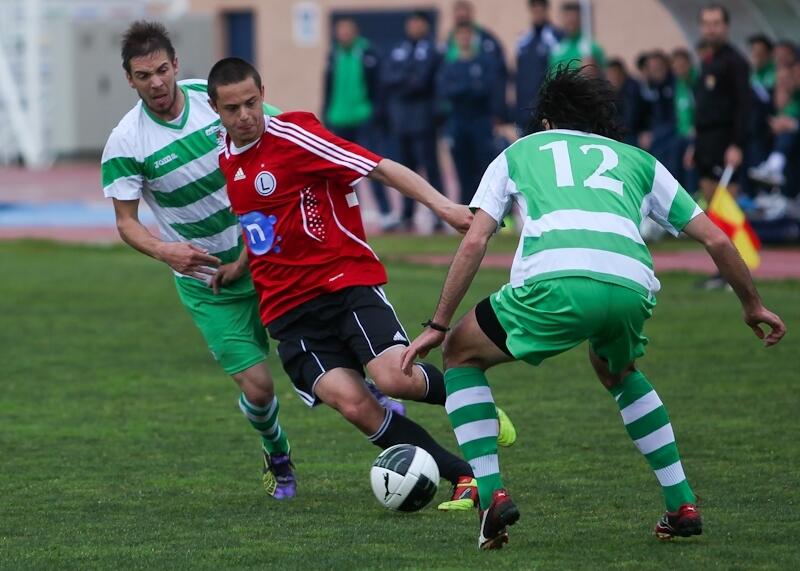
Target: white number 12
(563, 166)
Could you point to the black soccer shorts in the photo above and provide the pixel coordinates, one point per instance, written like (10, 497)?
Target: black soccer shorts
(347, 328)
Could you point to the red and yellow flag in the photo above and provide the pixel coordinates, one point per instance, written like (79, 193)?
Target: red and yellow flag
(725, 213)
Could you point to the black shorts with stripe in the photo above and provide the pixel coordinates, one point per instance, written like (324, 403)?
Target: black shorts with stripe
(347, 328)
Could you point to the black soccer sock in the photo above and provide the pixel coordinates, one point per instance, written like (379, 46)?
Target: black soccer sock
(398, 429)
(436, 393)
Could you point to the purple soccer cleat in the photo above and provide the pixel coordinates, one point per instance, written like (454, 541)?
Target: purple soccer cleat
(388, 403)
(278, 478)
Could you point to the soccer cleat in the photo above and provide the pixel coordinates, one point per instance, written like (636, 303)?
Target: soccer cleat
(501, 513)
(278, 477)
(508, 434)
(388, 403)
(465, 495)
(683, 523)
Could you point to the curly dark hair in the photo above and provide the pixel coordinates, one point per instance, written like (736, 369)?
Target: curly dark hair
(570, 98)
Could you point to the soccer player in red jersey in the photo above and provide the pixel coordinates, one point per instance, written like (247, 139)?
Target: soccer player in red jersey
(291, 182)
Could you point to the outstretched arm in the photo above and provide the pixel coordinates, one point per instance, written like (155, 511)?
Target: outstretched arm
(412, 185)
(735, 271)
(459, 277)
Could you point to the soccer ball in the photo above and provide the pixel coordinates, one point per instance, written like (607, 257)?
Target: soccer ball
(404, 478)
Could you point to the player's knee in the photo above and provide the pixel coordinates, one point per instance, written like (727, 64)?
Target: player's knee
(355, 411)
(256, 385)
(455, 353)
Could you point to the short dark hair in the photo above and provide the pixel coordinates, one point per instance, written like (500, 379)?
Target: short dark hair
(617, 63)
(726, 16)
(572, 99)
(682, 52)
(761, 39)
(228, 71)
(571, 7)
(784, 43)
(144, 38)
(545, 3)
(420, 15)
(641, 60)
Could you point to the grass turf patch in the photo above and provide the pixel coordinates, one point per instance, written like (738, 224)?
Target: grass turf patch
(121, 444)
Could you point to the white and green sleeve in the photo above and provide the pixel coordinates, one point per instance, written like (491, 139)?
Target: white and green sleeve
(668, 203)
(495, 194)
(122, 174)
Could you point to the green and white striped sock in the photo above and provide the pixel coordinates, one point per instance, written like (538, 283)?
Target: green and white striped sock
(473, 415)
(265, 421)
(648, 425)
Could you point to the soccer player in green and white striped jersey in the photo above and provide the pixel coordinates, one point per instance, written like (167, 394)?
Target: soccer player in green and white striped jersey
(165, 151)
(581, 272)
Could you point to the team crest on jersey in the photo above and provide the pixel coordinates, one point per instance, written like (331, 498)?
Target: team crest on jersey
(265, 183)
(259, 230)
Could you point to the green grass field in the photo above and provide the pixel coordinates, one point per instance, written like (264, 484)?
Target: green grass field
(121, 446)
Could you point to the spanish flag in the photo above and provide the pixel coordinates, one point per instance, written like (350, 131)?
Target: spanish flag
(725, 213)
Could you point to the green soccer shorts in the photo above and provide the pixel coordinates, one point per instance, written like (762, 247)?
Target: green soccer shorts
(229, 321)
(548, 317)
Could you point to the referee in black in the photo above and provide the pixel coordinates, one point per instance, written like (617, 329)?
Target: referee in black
(722, 95)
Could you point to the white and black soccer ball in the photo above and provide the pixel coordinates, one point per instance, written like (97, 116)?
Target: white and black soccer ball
(404, 477)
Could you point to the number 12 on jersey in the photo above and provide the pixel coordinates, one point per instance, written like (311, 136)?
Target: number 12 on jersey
(563, 166)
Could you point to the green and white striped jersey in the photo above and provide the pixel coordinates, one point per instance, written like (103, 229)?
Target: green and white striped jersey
(174, 167)
(583, 198)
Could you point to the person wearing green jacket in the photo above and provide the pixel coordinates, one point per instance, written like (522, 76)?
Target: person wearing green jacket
(352, 106)
(574, 50)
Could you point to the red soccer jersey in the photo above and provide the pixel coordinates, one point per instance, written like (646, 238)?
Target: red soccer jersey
(293, 192)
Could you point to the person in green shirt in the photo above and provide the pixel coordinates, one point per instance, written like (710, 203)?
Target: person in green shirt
(581, 272)
(784, 126)
(352, 102)
(685, 76)
(763, 66)
(574, 50)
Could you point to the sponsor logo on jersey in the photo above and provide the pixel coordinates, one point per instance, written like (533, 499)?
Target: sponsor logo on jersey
(259, 231)
(168, 159)
(265, 183)
(239, 175)
(399, 337)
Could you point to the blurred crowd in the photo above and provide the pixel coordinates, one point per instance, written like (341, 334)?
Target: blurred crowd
(696, 111)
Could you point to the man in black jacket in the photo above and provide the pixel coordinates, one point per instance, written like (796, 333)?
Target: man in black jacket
(486, 44)
(410, 81)
(722, 96)
(533, 56)
(352, 101)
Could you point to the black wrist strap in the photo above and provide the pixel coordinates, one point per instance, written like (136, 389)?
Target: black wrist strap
(435, 326)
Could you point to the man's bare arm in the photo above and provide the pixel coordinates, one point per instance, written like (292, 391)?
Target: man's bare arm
(182, 257)
(410, 184)
(735, 271)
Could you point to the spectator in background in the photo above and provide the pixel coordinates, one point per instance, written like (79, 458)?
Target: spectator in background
(628, 98)
(659, 136)
(763, 66)
(352, 100)
(684, 73)
(575, 50)
(785, 53)
(487, 44)
(784, 126)
(410, 81)
(762, 84)
(722, 97)
(466, 83)
(533, 57)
